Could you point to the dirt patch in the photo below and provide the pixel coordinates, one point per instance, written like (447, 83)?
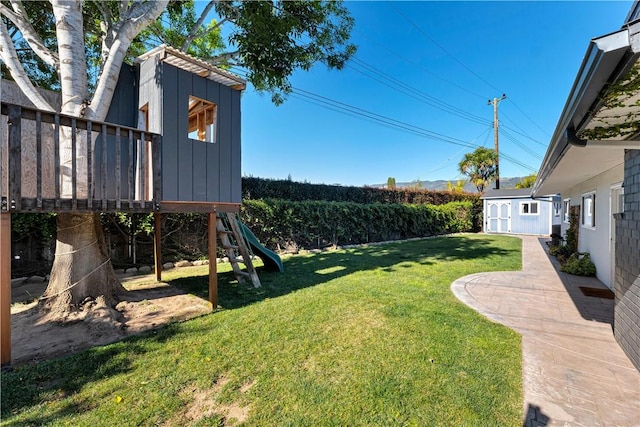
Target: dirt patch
(147, 306)
(204, 403)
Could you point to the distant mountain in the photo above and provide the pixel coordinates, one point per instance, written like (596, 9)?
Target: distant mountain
(440, 185)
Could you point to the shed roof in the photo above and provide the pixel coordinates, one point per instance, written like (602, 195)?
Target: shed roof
(509, 193)
(194, 65)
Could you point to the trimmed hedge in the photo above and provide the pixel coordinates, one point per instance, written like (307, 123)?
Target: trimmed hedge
(260, 188)
(290, 225)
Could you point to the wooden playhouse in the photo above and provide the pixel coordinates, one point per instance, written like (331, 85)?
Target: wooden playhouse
(171, 143)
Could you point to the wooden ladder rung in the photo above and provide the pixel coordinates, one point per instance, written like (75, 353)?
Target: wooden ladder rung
(234, 247)
(236, 260)
(243, 273)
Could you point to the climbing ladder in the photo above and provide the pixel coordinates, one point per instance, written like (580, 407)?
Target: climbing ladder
(236, 247)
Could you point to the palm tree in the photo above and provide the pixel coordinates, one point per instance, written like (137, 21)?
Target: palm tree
(527, 181)
(479, 166)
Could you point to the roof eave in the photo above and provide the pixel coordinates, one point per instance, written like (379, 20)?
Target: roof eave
(601, 63)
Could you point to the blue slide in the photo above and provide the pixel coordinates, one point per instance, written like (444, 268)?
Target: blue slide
(271, 260)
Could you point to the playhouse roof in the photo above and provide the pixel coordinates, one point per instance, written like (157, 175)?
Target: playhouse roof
(194, 65)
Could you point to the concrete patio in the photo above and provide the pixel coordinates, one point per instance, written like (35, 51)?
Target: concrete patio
(574, 372)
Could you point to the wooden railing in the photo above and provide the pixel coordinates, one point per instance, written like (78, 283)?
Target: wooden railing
(52, 162)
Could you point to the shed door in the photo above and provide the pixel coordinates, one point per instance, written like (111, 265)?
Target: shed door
(499, 217)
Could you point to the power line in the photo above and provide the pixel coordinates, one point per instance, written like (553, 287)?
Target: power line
(417, 27)
(413, 92)
(381, 120)
(423, 68)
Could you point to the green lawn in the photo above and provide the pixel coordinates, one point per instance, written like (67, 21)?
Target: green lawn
(366, 336)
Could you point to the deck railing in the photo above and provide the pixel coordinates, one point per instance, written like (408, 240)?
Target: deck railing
(51, 162)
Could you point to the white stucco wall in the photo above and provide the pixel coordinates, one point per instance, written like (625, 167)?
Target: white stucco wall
(597, 241)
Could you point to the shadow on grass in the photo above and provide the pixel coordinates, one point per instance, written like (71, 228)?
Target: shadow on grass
(307, 271)
(29, 386)
(33, 385)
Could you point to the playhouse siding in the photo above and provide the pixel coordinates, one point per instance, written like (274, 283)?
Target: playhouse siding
(122, 111)
(195, 170)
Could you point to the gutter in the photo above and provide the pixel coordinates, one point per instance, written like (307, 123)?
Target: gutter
(607, 58)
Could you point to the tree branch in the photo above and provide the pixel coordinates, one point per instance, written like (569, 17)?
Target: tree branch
(223, 58)
(10, 58)
(198, 24)
(137, 17)
(73, 64)
(20, 19)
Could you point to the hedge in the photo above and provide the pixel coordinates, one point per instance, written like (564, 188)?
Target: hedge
(260, 188)
(290, 225)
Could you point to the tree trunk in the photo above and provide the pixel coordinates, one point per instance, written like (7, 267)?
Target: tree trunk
(81, 269)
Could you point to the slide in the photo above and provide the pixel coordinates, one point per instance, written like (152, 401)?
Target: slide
(271, 260)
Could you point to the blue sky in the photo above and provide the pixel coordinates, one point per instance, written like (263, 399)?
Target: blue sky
(449, 56)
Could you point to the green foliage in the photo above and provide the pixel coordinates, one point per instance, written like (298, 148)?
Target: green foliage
(175, 24)
(571, 237)
(458, 187)
(527, 181)
(316, 224)
(391, 183)
(561, 252)
(479, 166)
(260, 188)
(579, 264)
(40, 226)
(42, 20)
(270, 40)
(274, 39)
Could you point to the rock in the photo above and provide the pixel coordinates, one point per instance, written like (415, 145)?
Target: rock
(18, 281)
(145, 269)
(36, 279)
(131, 270)
(184, 263)
(167, 266)
(119, 270)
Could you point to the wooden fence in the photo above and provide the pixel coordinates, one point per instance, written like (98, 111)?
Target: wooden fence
(51, 162)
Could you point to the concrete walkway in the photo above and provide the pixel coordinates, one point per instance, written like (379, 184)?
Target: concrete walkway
(574, 372)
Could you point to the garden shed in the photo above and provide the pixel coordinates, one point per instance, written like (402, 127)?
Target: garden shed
(514, 211)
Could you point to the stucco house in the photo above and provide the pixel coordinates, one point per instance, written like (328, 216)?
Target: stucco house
(514, 211)
(593, 161)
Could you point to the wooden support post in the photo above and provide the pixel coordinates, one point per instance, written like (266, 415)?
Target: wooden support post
(213, 261)
(5, 288)
(157, 247)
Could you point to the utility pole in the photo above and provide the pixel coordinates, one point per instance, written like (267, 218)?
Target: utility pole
(495, 103)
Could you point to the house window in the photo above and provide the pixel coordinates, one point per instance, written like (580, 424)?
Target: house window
(588, 213)
(202, 119)
(557, 208)
(566, 206)
(529, 208)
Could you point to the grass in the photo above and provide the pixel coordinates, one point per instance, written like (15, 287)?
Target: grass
(365, 336)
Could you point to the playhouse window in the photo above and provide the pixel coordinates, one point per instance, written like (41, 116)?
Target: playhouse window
(566, 206)
(589, 210)
(557, 208)
(202, 119)
(528, 208)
